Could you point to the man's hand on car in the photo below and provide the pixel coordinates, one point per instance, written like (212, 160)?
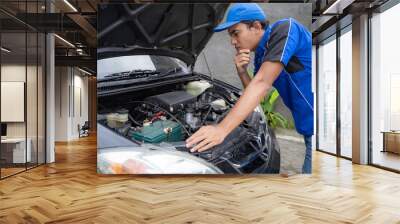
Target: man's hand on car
(206, 137)
(209, 136)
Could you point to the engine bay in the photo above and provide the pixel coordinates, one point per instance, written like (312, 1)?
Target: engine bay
(169, 117)
(170, 114)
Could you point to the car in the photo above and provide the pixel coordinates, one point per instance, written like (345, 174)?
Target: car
(150, 99)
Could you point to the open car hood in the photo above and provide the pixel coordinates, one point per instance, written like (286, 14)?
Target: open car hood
(175, 30)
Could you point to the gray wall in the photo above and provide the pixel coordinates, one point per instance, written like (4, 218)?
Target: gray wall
(220, 53)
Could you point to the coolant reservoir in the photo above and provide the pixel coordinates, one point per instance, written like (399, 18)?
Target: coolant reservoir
(111, 120)
(117, 120)
(196, 88)
(122, 115)
(219, 104)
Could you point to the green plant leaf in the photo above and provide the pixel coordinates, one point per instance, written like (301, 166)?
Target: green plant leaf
(273, 98)
(250, 72)
(274, 119)
(283, 122)
(265, 106)
(266, 102)
(291, 125)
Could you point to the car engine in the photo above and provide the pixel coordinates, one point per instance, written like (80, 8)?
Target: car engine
(171, 117)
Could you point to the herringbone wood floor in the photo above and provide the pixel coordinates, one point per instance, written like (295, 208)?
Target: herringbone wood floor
(70, 191)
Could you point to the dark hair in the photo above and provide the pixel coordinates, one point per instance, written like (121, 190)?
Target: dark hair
(249, 24)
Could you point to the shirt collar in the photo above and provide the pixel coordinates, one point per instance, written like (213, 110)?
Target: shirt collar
(261, 45)
(260, 50)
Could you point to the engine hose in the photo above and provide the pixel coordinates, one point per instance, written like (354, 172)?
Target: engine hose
(224, 96)
(205, 117)
(133, 120)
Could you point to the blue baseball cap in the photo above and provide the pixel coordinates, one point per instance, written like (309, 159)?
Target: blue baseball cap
(241, 12)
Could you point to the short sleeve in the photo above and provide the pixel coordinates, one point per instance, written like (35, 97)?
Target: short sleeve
(282, 43)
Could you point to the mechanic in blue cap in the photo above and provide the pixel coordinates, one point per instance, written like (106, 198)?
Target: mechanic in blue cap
(282, 59)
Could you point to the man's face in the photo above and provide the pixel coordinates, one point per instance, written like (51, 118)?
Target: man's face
(244, 36)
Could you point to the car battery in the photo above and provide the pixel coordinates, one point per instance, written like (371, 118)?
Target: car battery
(159, 131)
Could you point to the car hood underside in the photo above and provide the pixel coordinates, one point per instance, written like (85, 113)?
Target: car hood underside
(176, 30)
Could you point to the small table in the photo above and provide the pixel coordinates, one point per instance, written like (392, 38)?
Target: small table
(18, 149)
(391, 141)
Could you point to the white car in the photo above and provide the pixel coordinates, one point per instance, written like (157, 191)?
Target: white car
(150, 100)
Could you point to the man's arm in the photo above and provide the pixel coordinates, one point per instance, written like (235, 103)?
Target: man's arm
(252, 96)
(209, 136)
(245, 78)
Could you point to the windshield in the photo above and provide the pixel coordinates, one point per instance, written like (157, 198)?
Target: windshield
(162, 64)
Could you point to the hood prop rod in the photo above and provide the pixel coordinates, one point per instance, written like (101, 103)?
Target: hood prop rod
(209, 71)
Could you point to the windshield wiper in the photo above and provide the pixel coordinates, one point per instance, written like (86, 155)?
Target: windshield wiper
(168, 72)
(137, 73)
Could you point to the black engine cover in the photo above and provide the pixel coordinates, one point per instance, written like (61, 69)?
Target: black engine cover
(172, 101)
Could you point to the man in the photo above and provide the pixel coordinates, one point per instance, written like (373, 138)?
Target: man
(282, 59)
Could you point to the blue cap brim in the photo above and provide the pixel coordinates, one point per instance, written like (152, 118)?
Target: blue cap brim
(225, 26)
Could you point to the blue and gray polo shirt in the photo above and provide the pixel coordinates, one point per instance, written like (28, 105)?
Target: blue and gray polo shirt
(289, 42)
